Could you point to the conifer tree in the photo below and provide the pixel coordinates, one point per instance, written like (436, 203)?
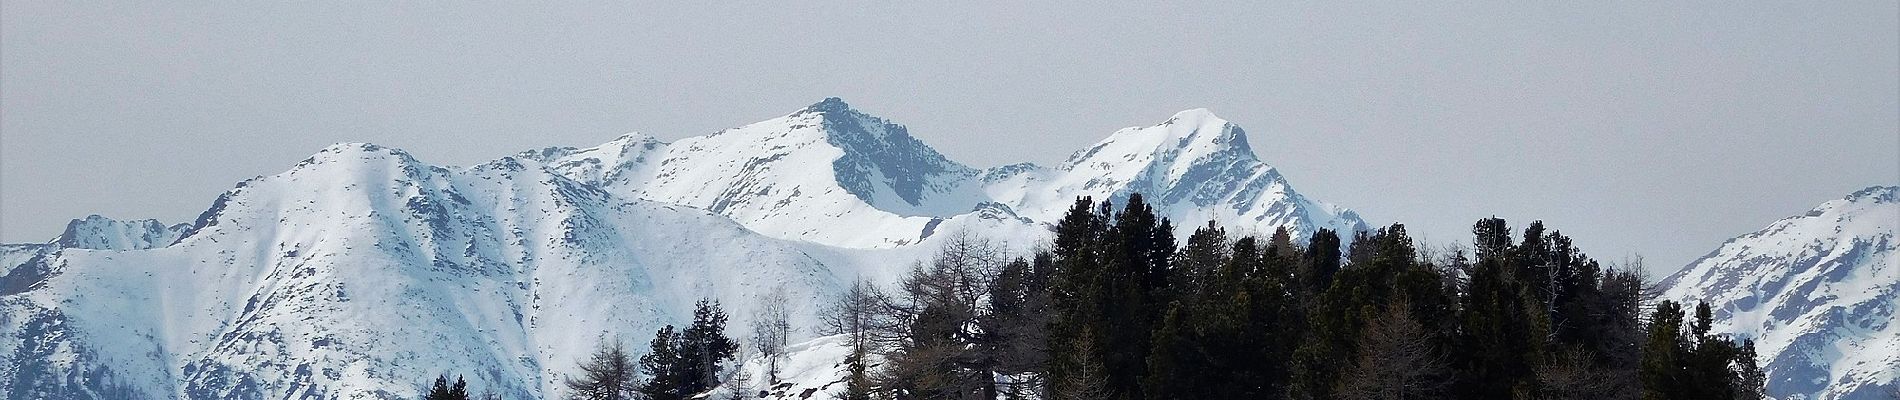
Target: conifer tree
(1076, 298)
(1664, 355)
(665, 367)
(1500, 326)
(1206, 249)
(442, 390)
(1319, 263)
(1750, 380)
(704, 348)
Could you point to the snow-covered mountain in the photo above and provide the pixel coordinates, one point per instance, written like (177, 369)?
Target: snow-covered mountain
(20, 264)
(832, 175)
(1817, 292)
(362, 272)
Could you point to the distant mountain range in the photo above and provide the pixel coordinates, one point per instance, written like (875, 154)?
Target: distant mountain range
(361, 271)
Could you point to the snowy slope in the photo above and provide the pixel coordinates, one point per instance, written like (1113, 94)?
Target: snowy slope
(832, 175)
(1193, 168)
(1817, 292)
(362, 271)
(825, 174)
(22, 265)
(101, 233)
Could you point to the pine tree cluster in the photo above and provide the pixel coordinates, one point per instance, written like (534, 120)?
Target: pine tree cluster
(680, 364)
(1115, 309)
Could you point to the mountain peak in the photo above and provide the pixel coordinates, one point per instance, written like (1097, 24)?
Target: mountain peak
(1190, 136)
(1194, 116)
(100, 233)
(354, 151)
(1806, 286)
(1877, 194)
(829, 104)
(354, 154)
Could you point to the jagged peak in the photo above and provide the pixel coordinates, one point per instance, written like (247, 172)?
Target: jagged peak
(619, 145)
(829, 104)
(547, 154)
(101, 233)
(631, 139)
(1876, 194)
(1871, 196)
(1005, 171)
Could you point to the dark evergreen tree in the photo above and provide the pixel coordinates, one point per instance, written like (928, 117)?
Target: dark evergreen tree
(666, 368)
(1697, 364)
(1532, 264)
(460, 390)
(704, 348)
(1500, 332)
(1075, 297)
(1665, 352)
(1015, 323)
(1750, 380)
(1491, 238)
(1319, 263)
(1196, 262)
(442, 390)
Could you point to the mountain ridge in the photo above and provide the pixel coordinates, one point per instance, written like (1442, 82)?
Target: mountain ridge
(316, 281)
(1817, 291)
(1191, 164)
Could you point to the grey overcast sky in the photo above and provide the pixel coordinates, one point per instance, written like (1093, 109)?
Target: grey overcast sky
(1639, 127)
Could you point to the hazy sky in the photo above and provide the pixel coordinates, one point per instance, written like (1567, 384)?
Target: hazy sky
(1651, 128)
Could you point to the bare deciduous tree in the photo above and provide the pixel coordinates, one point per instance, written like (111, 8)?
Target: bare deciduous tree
(1396, 360)
(771, 328)
(1569, 376)
(608, 375)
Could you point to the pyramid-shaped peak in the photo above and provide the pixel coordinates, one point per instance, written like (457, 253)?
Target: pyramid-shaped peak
(1194, 116)
(840, 122)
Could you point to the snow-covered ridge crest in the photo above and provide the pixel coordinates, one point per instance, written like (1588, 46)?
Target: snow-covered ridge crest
(1817, 292)
(833, 175)
(101, 233)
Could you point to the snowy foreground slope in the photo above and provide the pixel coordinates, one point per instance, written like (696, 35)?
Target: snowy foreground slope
(1817, 292)
(362, 272)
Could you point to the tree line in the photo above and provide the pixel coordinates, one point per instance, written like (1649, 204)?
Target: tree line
(1114, 308)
